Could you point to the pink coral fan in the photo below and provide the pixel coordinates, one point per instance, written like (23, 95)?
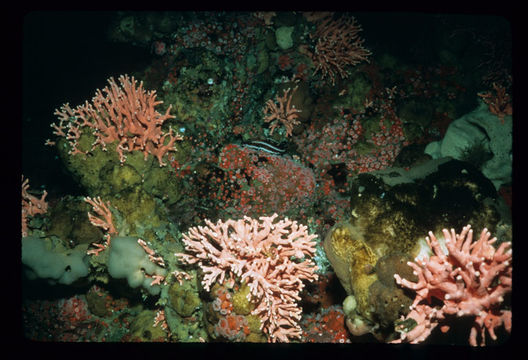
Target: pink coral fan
(271, 257)
(126, 114)
(471, 279)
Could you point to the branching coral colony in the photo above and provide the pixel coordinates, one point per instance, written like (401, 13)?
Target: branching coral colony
(258, 253)
(471, 279)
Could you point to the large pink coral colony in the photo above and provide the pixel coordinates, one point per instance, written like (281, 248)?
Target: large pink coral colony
(470, 280)
(258, 253)
(126, 114)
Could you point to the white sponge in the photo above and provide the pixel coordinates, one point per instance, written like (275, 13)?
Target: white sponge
(63, 266)
(127, 259)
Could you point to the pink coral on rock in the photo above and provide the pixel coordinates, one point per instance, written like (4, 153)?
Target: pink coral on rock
(126, 114)
(471, 279)
(259, 253)
(31, 205)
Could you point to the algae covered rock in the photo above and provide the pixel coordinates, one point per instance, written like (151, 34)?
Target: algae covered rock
(350, 256)
(97, 303)
(69, 221)
(138, 207)
(262, 61)
(120, 178)
(143, 329)
(389, 301)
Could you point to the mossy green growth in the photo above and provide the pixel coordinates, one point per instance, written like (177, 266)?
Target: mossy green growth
(138, 172)
(364, 148)
(241, 304)
(269, 41)
(163, 183)
(202, 96)
(352, 257)
(69, 221)
(253, 323)
(416, 112)
(121, 177)
(389, 300)
(148, 234)
(416, 116)
(256, 335)
(97, 303)
(86, 168)
(183, 299)
(102, 173)
(137, 207)
(371, 126)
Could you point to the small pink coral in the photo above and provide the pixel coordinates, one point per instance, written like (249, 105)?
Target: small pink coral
(31, 205)
(284, 113)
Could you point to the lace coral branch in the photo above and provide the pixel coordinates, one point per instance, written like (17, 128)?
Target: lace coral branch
(338, 46)
(104, 221)
(284, 113)
(31, 205)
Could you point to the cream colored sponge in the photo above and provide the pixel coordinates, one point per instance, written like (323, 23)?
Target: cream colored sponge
(127, 259)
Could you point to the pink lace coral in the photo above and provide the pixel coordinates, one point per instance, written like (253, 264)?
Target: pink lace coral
(284, 113)
(31, 205)
(126, 114)
(259, 253)
(470, 280)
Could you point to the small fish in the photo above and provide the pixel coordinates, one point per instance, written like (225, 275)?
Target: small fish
(266, 146)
